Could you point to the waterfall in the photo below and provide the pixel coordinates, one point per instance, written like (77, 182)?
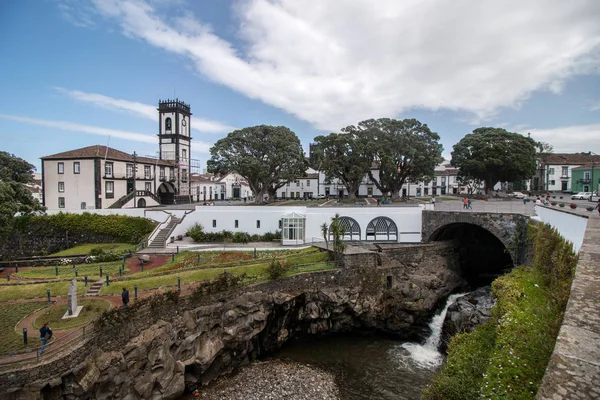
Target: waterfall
(427, 355)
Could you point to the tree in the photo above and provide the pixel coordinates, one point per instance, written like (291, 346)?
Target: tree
(472, 184)
(14, 197)
(342, 156)
(267, 156)
(324, 231)
(493, 154)
(400, 150)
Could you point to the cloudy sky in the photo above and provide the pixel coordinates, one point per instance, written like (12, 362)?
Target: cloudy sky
(81, 72)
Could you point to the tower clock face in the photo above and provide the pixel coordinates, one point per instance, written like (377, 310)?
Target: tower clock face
(183, 122)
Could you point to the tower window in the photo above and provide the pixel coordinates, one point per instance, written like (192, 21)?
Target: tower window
(76, 167)
(258, 223)
(61, 168)
(184, 154)
(236, 223)
(168, 125)
(214, 223)
(61, 202)
(61, 187)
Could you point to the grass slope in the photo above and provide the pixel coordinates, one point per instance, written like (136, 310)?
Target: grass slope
(87, 248)
(32, 291)
(53, 315)
(10, 315)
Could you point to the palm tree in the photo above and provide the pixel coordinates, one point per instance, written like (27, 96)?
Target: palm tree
(324, 229)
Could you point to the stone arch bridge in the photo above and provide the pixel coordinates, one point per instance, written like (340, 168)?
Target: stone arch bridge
(443, 225)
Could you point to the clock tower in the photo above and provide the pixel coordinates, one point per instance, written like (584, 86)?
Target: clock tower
(174, 140)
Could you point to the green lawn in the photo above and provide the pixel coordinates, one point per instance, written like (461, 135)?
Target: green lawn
(86, 248)
(189, 259)
(10, 315)
(428, 198)
(199, 275)
(53, 315)
(68, 272)
(295, 202)
(32, 291)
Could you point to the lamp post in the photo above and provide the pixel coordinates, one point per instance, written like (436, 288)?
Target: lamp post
(593, 182)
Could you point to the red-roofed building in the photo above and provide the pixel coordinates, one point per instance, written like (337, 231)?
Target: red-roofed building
(95, 177)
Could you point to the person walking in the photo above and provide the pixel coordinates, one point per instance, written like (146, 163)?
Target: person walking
(524, 199)
(125, 297)
(465, 203)
(433, 201)
(469, 204)
(598, 207)
(45, 336)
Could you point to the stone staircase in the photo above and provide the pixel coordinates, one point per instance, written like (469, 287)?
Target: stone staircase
(94, 288)
(160, 241)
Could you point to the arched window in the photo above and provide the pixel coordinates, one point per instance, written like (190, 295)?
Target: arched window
(351, 229)
(168, 124)
(382, 228)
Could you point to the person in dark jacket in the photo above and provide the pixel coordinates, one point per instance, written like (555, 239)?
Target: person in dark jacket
(45, 336)
(125, 297)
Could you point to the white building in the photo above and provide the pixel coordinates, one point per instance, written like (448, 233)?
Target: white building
(96, 177)
(300, 225)
(205, 188)
(556, 170)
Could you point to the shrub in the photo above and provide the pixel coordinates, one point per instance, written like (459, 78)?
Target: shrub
(553, 203)
(573, 206)
(561, 204)
(561, 197)
(277, 268)
(553, 197)
(590, 208)
(196, 232)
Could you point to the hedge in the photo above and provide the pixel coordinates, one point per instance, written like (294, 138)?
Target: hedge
(119, 227)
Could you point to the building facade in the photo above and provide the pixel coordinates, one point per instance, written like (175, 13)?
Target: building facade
(97, 177)
(585, 178)
(556, 170)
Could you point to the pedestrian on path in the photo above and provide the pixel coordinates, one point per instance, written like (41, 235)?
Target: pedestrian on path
(525, 199)
(125, 297)
(465, 203)
(598, 206)
(469, 204)
(45, 336)
(433, 201)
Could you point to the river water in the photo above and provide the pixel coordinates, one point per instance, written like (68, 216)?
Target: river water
(375, 367)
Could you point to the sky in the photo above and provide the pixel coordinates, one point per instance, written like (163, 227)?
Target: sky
(76, 73)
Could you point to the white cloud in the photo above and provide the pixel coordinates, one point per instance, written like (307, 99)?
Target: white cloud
(570, 139)
(78, 14)
(595, 107)
(333, 62)
(140, 109)
(197, 147)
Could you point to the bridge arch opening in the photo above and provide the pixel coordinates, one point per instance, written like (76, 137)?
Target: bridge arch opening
(482, 255)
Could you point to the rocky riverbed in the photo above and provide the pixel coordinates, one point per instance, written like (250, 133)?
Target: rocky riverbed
(275, 379)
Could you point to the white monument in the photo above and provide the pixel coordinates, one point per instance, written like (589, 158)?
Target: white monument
(73, 309)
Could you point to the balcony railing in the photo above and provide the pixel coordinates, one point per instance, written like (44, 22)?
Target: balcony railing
(585, 181)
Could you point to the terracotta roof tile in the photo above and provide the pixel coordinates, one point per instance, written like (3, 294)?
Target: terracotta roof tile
(98, 151)
(569, 158)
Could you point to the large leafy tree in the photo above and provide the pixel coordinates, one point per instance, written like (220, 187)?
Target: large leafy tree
(267, 156)
(342, 156)
(14, 197)
(401, 150)
(493, 154)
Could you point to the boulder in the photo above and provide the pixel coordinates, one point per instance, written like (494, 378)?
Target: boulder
(466, 313)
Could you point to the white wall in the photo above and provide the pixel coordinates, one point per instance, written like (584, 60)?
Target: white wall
(407, 219)
(570, 226)
(79, 188)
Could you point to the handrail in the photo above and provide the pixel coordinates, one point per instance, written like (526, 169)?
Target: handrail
(33, 353)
